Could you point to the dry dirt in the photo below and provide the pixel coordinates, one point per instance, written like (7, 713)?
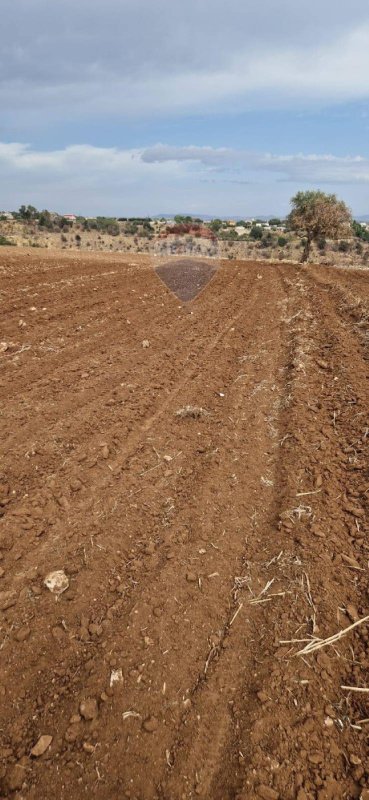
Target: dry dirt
(202, 551)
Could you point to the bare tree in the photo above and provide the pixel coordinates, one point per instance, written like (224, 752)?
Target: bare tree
(317, 215)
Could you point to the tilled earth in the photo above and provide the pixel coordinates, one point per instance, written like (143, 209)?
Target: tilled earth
(202, 550)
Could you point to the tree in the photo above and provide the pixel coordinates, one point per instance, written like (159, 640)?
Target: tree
(28, 212)
(315, 215)
(256, 232)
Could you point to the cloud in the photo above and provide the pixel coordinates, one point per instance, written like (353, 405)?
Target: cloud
(163, 178)
(138, 58)
(300, 168)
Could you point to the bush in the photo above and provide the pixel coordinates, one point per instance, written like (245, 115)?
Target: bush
(256, 233)
(4, 242)
(343, 246)
(282, 241)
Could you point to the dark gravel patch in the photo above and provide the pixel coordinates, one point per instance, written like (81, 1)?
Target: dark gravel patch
(187, 276)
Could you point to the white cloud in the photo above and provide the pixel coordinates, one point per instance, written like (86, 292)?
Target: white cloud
(162, 178)
(300, 168)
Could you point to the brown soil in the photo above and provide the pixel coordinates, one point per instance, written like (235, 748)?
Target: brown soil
(202, 551)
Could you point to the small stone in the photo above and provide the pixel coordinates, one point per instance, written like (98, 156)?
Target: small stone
(75, 718)
(267, 793)
(88, 748)
(116, 677)
(145, 343)
(352, 612)
(57, 582)
(88, 708)
(150, 724)
(321, 363)
(41, 746)
(105, 451)
(191, 577)
(355, 760)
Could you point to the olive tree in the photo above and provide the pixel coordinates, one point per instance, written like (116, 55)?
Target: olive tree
(316, 215)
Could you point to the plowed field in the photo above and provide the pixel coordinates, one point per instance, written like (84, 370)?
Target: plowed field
(198, 471)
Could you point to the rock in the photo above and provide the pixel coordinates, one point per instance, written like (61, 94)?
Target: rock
(322, 364)
(3, 347)
(116, 677)
(41, 746)
(88, 748)
(267, 793)
(150, 724)
(191, 577)
(263, 697)
(352, 612)
(88, 708)
(7, 600)
(145, 343)
(57, 582)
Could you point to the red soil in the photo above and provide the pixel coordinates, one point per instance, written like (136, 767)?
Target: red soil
(202, 553)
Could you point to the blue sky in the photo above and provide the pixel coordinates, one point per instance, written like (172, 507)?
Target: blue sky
(136, 107)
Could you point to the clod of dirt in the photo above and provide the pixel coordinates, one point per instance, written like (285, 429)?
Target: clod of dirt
(41, 746)
(7, 600)
(191, 577)
(57, 582)
(3, 347)
(193, 412)
(15, 777)
(145, 343)
(22, 634)
(150, 724)
(267, 793)
(88, 708)
(105, 451)
(322, 364)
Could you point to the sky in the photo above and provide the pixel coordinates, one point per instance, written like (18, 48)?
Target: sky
(147, 107)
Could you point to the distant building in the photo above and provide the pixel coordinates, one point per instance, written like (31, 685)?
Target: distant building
(6, 214)
(70, 217)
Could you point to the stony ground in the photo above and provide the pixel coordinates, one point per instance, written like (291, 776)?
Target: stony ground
(197, 473)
